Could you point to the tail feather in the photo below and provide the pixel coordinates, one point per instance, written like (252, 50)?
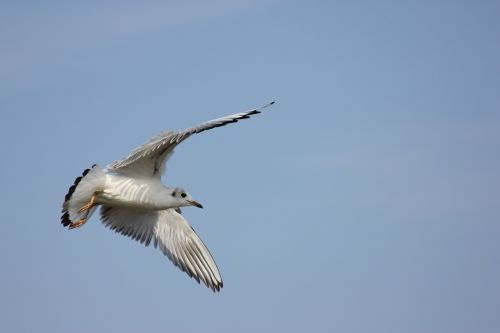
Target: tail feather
(91, 181)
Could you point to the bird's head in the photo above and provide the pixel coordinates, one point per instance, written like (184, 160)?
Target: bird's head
(182, 198)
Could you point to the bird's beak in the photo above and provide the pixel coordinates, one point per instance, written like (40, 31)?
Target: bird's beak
(195, 203)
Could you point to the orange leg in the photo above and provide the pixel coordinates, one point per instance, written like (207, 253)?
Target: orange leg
(77, 224)
(88, 205)
(86, 208)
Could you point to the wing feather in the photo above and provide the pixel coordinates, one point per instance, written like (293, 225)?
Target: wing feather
(149, 159)
(172, 234)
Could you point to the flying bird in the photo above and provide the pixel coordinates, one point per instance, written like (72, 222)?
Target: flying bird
(135, 203)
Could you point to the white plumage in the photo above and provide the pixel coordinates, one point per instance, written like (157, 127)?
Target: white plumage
(135, 203)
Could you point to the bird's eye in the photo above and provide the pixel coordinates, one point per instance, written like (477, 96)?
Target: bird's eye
(174, 194)
(183, 194)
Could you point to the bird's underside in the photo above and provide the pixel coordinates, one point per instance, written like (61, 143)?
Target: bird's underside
(140, 207)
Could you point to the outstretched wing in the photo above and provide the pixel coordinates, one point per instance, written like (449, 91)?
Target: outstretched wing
(149, 159)
(172, 234)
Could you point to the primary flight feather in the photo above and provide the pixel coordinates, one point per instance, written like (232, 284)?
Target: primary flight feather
(135, 203)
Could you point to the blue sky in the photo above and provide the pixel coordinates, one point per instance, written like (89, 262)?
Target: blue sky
(366, 200)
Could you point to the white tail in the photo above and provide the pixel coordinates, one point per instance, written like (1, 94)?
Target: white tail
(80, 193)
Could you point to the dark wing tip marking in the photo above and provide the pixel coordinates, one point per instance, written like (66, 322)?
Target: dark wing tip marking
(216, 287)
(157, 146)
(220, 122)
(268, 104)
(178, 257)
(65, 219)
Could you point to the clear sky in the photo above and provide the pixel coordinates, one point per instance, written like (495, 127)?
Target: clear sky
(366, 200)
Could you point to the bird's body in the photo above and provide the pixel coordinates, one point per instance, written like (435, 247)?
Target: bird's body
(135, 203)
(141, 193)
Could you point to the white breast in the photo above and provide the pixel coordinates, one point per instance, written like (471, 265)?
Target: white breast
(145, 193)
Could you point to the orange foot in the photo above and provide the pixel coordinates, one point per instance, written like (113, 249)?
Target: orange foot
(77, 224)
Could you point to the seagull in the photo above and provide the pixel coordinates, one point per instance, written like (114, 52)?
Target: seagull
(135, 203)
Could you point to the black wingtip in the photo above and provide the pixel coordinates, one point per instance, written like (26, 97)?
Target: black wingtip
(65, 219)
(267, 105)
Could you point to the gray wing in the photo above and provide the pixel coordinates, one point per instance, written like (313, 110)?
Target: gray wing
(172, 234)
(150, 158)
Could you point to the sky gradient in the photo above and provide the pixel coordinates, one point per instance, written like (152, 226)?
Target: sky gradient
(367, 199)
